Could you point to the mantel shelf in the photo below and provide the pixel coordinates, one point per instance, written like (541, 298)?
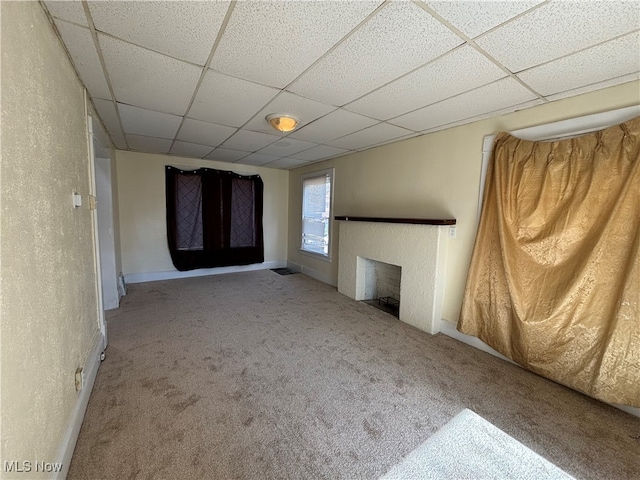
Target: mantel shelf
(414, 221)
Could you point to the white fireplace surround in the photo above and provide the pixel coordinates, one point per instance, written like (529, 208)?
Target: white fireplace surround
(420, 250)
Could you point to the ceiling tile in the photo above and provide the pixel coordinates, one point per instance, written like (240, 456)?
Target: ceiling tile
(286, 163)
(226, 155)
(303, 108)
(436, 81)
(258, 159)
(336, 124)
(229, 101)
(379, 133)
(190, 150)
(603, 62)
(204, 133)
(320, 152)
(477, 118)
(286, 146)
(185, 30)
(273, 42)
(396, 40)
(595, 86)
(149, 144)
(147, 79)
(70, 11)
(140, 121)
(556, 29)
(249, 141)
(79, 43)
(475, 17)
(492, 97)
(107, 111)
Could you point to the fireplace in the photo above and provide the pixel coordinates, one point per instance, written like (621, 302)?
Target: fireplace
(416, 250)
(381, 284)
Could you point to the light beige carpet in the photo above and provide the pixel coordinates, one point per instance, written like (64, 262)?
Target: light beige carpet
(261, 376)
(470, 447)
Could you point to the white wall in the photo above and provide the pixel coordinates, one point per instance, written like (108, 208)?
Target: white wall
(142, 212)
(48, 303)
(435, 175)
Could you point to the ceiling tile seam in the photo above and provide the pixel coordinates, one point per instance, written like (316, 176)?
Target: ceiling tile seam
(612, 39)
(293, 155)
(444, 100)
(241, 158)
(391, 140)
(340, 42)
(357, 27)
(521, 14)
(56, 32)
(105, 72)
(214, 47)
(137, 45)
(509, 72)
(378, 121)
(594, 83)
(515, 76)
(410, 72)
(282, 135)
(473, 44)
(327, 52)
(60, 19)
(192, 143)
(390, 120)
(201, 157)
(477, 118)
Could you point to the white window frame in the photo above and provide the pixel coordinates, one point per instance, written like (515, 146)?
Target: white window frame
(572, 127)
(330, 172)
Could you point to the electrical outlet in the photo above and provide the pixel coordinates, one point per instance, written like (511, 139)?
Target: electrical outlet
(77, 200)
(452, 232)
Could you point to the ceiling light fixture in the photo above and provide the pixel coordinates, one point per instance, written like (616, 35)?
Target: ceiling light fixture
(283, 122)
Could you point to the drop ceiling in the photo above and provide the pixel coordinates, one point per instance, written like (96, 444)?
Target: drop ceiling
(197, 79)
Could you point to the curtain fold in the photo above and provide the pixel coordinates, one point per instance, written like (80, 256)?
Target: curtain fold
(214, 218)
(554, 281)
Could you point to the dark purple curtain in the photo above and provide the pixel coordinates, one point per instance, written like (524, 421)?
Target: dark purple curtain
(214, 218)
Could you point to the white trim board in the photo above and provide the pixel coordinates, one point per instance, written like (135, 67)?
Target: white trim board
(200, 272)
(68, 444)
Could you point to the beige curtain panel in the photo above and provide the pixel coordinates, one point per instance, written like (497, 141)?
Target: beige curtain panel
(554, 282)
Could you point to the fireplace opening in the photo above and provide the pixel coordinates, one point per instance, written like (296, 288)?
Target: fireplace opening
(382, 285)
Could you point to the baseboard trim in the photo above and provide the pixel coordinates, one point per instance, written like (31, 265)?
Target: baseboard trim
(201, 272)
(323, 277)
(68, 444)
(450, 330)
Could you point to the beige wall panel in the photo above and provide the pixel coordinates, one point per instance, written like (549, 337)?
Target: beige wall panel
(434, 175)
(48, 303)
(141, 199)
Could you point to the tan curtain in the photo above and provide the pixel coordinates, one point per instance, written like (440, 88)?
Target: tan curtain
(554, 282)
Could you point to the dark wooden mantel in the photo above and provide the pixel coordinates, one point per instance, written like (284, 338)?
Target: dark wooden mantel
(414, 221)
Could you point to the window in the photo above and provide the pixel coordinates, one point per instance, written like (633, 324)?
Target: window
(316, 212)
(214, 218)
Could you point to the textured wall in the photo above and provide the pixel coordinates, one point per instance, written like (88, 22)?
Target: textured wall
(48, 303)
(143, 225)
(419, 249)
(435, 175)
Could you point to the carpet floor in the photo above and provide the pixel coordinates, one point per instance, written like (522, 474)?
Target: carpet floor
(255, 375)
